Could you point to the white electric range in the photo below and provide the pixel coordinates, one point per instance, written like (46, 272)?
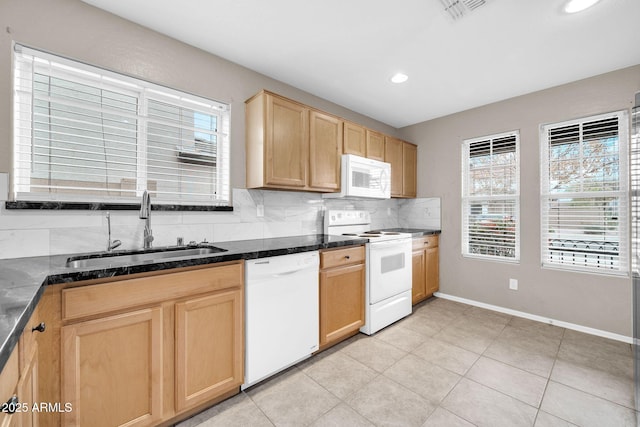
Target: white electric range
(388, 267)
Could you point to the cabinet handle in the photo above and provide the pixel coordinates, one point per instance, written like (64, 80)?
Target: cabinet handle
(347, 256)
(40, 328)
(12, 405)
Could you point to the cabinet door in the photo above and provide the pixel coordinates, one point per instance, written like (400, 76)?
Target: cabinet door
(325, 145)
(209, 347)
(433, 270)
(354, 140)
(287, 140)
(375, 145)
(112, 370)
(418, 288)
(409, 165)
(393, 155)
(342, 296)
(28, 388)
(9, 388)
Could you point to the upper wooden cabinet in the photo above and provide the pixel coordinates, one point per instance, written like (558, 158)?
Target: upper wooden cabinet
(403, 157)
(393, 155)
(409, 169)
(375, 145)
(363, 142)
(325, 148)
(355, 139)
(291, 146)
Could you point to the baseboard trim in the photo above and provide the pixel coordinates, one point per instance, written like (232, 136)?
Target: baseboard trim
(562, 324)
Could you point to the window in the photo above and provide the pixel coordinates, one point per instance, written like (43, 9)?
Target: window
(584, 196)
(82, 133)
(491, 197)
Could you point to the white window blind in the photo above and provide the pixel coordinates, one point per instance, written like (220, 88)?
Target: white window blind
(491, 197)
(82, 133)
(584, 198)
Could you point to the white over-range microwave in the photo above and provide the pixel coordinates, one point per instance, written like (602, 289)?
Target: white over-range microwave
(362, 177)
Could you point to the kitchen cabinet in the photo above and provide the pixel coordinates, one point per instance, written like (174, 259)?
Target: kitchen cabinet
(325, 148)
(342, 294)
(112, 369)
(19, 378)
(9, 389)
(403, 159)
(363, 142)
(209, 353)
(409, 169)
(291, 146)
(393, 155)
(142, 351)
(277, 136)
(425, 262)
(375, 145)
(355, 139)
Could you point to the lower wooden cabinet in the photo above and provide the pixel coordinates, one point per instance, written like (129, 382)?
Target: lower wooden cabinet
(112, 370)
(144, 351)
(208, 347)
(426, 273)
(342, 294)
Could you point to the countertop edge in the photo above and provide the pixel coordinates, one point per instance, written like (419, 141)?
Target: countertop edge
(69, 276)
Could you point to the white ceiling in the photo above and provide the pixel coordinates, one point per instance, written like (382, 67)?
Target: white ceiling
(345, 51)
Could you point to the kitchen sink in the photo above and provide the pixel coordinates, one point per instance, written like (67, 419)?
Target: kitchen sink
(123, 258)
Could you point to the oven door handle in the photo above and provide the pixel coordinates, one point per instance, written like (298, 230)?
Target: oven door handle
(387, 243)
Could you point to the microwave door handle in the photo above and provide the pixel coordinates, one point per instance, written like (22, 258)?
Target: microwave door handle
(383, 177)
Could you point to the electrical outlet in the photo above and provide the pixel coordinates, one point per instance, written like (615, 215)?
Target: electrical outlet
(259, 211)
(388, 211)
(513, 284)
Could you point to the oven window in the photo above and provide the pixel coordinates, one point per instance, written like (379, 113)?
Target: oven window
(392, 263)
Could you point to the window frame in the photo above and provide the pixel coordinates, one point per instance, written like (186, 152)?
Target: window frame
(143, 91)
(467, 199)
(622, 202)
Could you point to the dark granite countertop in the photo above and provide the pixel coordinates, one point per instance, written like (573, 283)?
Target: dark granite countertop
(22, 280)
(415, 232)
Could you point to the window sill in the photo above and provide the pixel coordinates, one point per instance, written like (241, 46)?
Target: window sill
(98, 206)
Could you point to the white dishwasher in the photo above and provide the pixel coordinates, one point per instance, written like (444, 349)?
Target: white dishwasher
(281, 313)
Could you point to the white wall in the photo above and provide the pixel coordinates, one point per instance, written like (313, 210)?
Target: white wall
(596, 301)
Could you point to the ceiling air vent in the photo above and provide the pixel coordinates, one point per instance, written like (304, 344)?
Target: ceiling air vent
(459, 8)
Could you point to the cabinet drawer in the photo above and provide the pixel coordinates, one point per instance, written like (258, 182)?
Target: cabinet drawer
(345, 256)
(425, 242)
(125, 294)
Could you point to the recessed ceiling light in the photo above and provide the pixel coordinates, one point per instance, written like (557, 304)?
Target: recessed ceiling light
(399, 78)
(573, 6)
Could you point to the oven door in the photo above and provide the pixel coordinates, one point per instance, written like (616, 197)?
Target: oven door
(389, 266)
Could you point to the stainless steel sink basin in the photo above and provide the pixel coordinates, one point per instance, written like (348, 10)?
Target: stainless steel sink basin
(123, 258)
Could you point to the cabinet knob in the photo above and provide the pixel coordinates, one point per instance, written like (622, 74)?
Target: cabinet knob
(40, 328)
(12, 405)
(347, 257)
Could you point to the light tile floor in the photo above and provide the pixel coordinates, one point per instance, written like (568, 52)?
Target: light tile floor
(449, 365)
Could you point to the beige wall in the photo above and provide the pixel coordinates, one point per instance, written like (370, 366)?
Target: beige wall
(595, 301)
(79, 31)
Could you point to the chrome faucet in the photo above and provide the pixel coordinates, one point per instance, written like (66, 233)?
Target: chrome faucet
(111, 245)
(145, 213)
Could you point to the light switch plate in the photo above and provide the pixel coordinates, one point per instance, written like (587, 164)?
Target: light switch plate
(259, 211)
(513, 284)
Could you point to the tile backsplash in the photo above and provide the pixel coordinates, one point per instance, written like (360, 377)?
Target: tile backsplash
(256, 214)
